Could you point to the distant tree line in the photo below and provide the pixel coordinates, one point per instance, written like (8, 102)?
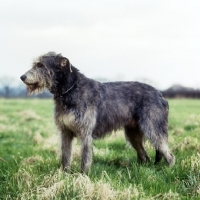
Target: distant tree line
(178, 91)
(10, 90)
(20, 92)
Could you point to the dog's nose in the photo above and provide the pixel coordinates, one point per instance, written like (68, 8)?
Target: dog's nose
(23, 77)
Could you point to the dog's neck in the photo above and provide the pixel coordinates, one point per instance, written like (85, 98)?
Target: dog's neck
(63, 83)
(64, 93)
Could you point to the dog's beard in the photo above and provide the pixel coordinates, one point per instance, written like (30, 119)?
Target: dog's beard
(34, 89)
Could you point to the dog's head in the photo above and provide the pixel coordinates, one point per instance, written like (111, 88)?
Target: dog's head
(45, 72)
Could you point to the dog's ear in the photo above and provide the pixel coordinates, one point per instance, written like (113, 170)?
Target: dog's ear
(65, 62)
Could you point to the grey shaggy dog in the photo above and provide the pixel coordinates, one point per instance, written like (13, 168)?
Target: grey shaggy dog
(88, 109)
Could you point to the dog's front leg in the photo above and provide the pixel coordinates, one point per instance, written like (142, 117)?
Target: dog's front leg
(86, 159)
(66, 148)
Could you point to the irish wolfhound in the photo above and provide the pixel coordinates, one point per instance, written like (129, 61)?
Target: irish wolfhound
(88, 109)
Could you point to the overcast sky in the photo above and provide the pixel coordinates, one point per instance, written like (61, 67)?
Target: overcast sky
(118, 40)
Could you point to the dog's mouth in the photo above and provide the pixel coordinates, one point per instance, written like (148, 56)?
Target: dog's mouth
(32, 84)
(34, 87)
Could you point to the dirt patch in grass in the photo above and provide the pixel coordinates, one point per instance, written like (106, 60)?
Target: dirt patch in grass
(191, 163)
(83, 188)
(29, 115)
(32, 160)
(188, 143)
(166, 196)
(4, 118)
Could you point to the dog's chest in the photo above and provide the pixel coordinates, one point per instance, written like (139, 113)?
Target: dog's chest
(66, 120)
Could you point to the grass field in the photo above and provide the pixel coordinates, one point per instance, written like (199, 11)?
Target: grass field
(30, 165)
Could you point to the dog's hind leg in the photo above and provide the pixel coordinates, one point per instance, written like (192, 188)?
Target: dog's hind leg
(154, 127)
(158, 157)
(162, 149)
(135, 137)
(87, 153)
(66, 148)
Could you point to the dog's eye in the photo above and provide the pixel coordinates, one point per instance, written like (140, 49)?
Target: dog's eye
(40, 65)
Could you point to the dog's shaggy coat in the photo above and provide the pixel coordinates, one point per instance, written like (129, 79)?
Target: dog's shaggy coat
(88, 109)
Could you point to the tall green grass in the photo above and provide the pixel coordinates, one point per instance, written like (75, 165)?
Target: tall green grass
(30, 164)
